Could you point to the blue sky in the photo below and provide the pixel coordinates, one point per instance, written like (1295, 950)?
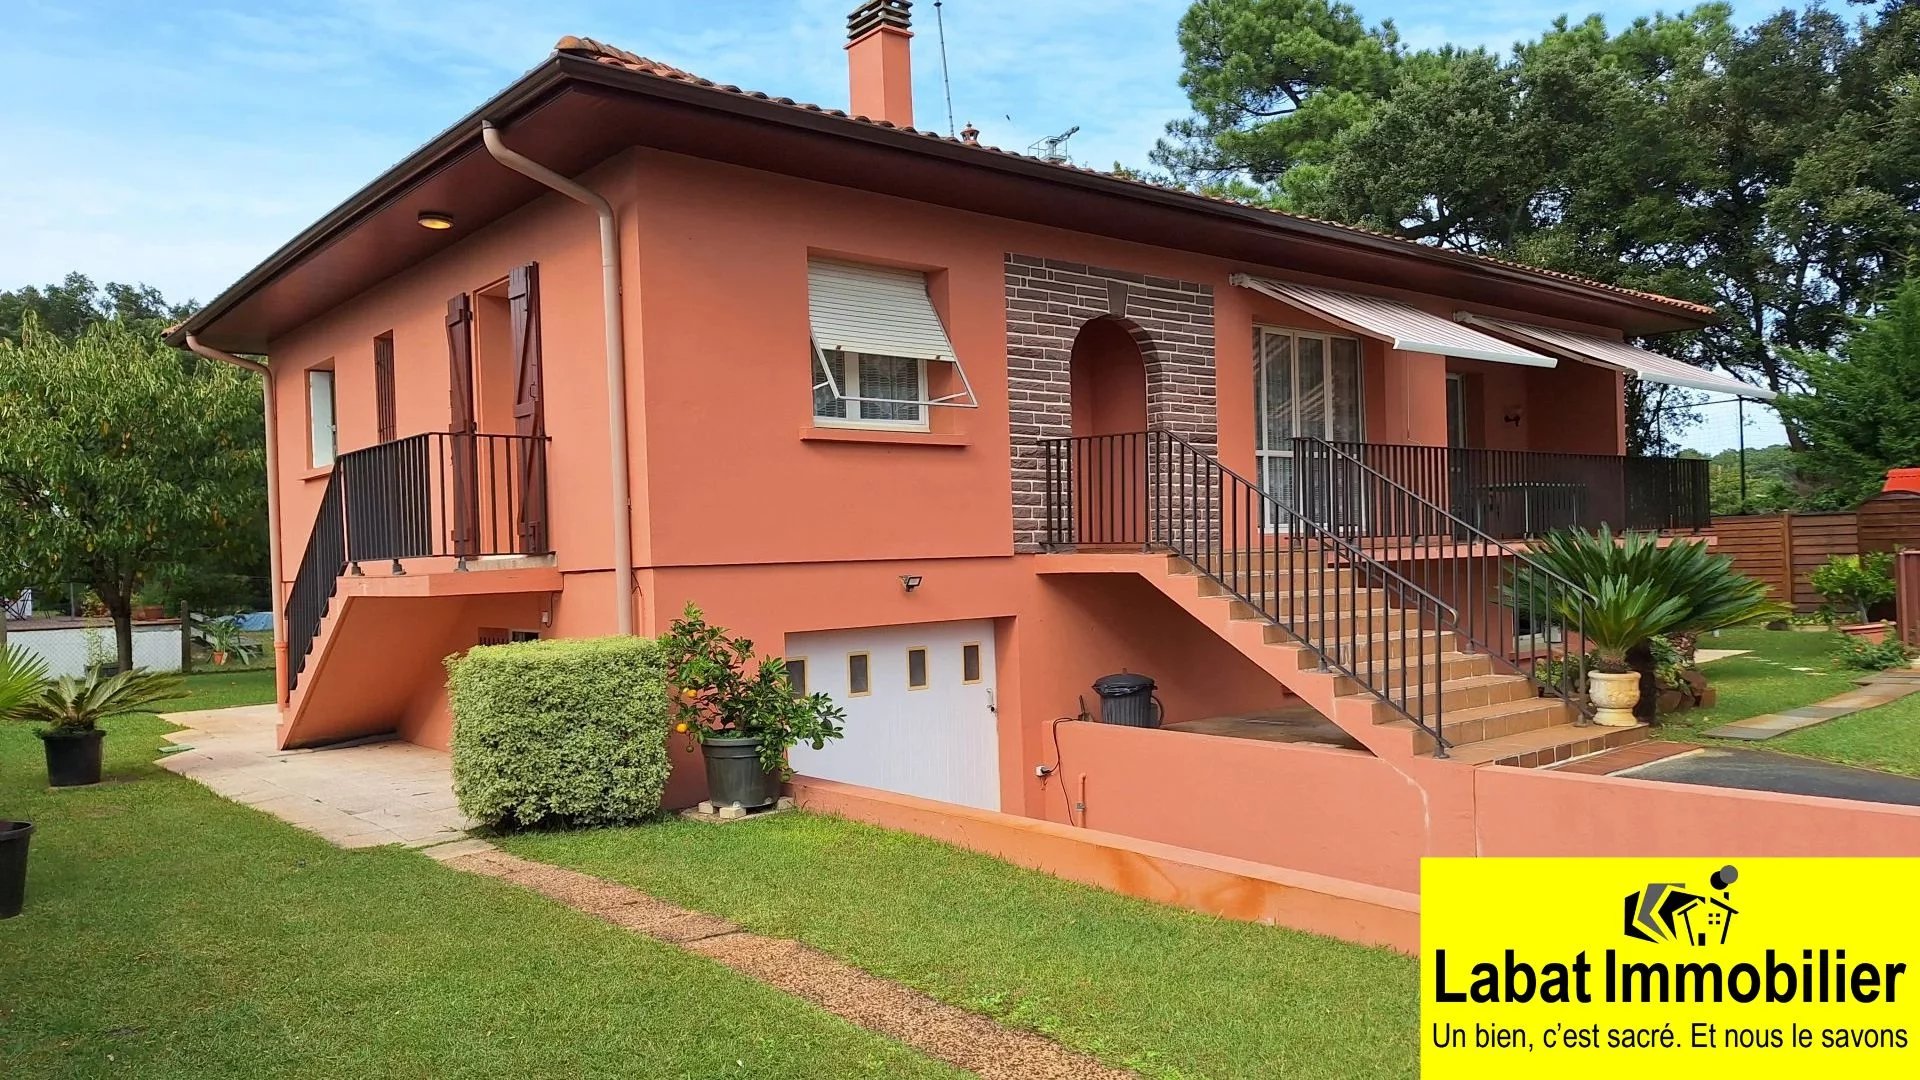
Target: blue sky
(178, 144)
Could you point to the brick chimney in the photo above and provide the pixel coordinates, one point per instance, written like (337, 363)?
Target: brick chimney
(880, 61)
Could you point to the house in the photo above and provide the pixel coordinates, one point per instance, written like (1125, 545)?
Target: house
(957, 431)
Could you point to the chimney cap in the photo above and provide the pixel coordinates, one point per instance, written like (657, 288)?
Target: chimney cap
(875, 14)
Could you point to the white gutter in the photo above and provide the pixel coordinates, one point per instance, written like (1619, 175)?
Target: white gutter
(273, 502)
(616, 356)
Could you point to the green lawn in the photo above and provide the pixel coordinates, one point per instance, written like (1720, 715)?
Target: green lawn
(1171, 993)
(169, 933)
(223, 689)
(1886, 738)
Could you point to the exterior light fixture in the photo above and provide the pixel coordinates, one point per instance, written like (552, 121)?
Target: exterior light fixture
(910, 582)
(435, 220)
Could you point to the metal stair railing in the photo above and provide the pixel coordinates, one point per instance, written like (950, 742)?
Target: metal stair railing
(1465, 563)
(1355, 614)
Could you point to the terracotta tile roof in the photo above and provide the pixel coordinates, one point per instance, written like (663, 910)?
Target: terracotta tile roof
(601, 52)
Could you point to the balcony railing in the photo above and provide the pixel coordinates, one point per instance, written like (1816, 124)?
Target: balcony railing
(435, 495)
(1520, 494)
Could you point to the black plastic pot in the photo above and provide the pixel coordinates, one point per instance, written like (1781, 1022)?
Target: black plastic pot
(13, 866)
(735, 776)
(73, 758)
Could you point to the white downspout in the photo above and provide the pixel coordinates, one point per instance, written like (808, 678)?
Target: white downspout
(616, 356)
(268, 401)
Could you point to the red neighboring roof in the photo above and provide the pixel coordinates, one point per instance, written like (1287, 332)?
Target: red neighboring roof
(600, 52)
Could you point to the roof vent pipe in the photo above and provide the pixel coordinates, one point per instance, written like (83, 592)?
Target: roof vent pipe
(616, 358)
(880, 61)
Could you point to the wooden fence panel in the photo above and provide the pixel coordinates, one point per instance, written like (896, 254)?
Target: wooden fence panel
(1814, 539)
(1758, 544)
(1890, 522)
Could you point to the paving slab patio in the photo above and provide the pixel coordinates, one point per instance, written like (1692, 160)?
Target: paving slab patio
(362, 795)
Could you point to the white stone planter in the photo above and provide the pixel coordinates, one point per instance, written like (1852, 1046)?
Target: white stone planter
(1613, 697)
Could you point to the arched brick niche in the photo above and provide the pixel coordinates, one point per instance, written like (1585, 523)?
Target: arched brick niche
(1048, 301)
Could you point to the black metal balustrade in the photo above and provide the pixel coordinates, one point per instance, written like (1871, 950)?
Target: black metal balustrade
(1453, 558)
(1356, 614)
(434, 495)
(1520, 494)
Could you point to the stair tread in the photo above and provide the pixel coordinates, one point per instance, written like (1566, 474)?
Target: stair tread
(1527, 742)
(1501, 708)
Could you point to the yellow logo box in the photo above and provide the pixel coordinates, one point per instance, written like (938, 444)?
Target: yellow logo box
(1732, 967)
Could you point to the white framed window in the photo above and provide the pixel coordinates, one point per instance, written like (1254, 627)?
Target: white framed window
(1304, 384)
(323, 436)
(875, 335)
(879, 391)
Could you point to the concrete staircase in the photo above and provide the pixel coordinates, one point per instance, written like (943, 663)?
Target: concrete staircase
(1488, 715)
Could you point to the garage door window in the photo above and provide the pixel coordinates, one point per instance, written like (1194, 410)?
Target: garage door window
(970, 662)
(917, 668)
(857, 684)
(797, 675)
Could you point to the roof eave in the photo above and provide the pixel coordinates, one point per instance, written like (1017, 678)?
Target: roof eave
(457, 140)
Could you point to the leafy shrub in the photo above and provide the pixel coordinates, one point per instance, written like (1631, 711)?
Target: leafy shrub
(1861, 654)
(1855, 582)
(570, 732)
(1624, 591)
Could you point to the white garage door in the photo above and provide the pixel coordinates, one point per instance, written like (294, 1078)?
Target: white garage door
(919, 702)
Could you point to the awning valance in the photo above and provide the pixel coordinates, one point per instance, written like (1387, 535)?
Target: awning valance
(1606, 352)
(1402, 326)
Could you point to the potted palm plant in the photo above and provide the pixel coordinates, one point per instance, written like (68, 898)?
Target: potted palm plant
(22, 677)
(72, 710)
(743, 712)
(224, 640)
(1629, 590)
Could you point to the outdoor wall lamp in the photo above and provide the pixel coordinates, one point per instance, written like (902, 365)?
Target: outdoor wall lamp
(435, 220)
(910, 582)
(1512, 417)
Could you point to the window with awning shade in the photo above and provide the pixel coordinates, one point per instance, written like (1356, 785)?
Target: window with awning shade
(875, 332)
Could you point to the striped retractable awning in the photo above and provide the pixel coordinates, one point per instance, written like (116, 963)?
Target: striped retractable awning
(1401, 325)
(1606, 352)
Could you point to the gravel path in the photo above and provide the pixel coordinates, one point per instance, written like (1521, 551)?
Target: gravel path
(960, 1038)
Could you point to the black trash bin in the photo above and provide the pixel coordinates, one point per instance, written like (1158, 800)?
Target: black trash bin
(1127, 699)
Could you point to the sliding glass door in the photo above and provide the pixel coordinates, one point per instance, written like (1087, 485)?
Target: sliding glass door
(1306, 385)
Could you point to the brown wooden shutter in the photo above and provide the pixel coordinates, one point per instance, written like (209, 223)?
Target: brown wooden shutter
(383, 402)
(529, 406)
(463, 483)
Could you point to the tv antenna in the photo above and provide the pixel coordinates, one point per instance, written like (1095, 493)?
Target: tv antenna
(1054, 147)
(946, 83)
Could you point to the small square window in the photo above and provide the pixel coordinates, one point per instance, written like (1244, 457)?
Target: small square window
(917, 668)
(970, 662)
(797, 675)
(857, 681)
(524, 635)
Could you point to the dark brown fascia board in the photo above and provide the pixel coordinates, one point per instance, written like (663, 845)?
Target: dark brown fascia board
(441, 151)
(761, 107)
(561, 68)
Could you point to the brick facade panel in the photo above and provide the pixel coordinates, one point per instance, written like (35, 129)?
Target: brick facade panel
(1048, 301)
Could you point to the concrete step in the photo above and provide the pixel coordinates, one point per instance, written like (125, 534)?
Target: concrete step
(1548, 745)
(1467, 728)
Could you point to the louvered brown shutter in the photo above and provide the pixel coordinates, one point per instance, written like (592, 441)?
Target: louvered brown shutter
(383, 402)
(463, 483)
(529, 406)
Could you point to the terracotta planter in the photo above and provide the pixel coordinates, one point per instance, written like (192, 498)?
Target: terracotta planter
(1613, 697)
(1873, 631)
(219, 659)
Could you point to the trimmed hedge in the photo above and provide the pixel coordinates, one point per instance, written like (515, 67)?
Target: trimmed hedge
(567, 732)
